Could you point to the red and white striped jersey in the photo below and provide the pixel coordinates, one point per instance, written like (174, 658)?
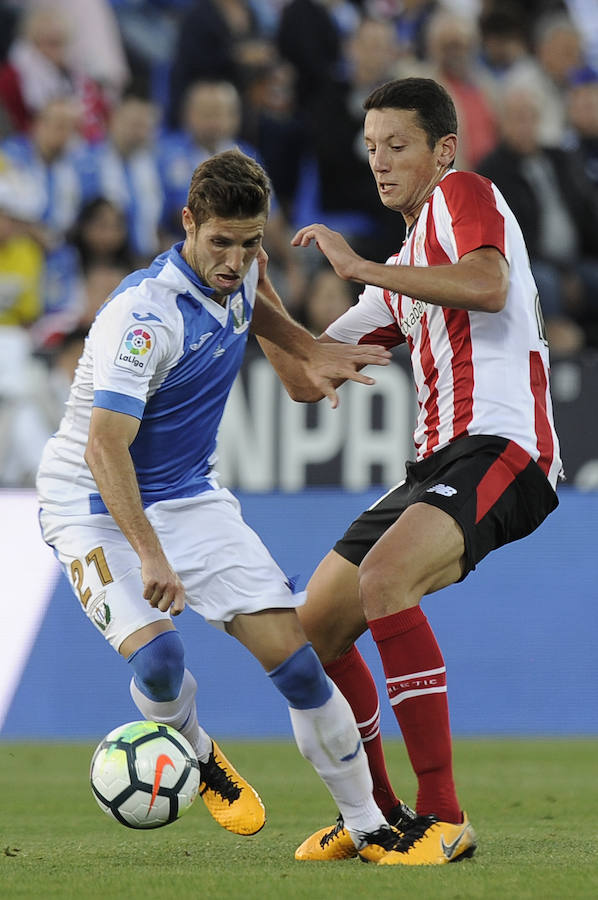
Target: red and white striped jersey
(475, 372)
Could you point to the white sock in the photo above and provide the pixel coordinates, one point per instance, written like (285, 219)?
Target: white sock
(329, 738)
(181, 713)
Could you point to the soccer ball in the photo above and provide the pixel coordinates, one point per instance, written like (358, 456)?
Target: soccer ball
(144, 774)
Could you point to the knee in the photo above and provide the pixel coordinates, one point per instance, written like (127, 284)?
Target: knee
(332, 622)
(302, 680)
(329, 637)
(159, 666)
(383, 591)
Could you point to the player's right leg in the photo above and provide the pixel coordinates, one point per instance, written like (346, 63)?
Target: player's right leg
(104, 572)
(164, 691)
(333, 619)
(323, 724)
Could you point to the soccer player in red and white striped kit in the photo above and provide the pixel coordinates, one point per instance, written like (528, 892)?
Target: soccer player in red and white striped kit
(461, 295)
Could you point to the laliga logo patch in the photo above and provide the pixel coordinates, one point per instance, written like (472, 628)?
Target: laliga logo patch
(138, 342)
(135, 349)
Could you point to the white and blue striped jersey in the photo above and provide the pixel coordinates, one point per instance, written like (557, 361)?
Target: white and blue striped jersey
(162, 350)
(57, 183)
(132, 183)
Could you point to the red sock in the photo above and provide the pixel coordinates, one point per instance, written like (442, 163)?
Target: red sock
(416, 683)
(354, 680)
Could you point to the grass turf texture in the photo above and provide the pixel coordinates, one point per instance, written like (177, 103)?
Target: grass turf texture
(533, 803)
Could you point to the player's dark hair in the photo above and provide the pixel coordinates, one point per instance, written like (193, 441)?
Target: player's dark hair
(435, 109)
(229, 185)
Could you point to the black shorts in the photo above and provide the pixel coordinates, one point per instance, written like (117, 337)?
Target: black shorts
(489, 485)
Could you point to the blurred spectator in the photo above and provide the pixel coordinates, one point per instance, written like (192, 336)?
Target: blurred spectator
(100, 240)
(45, 158)
(22, 429)
(582, 115)
(338, 188)
(309, 37)
(452, 45)
(558, 51)
(124, 169)
(61, 364)
(21, 258)
(270, 122)
(268, 15)
(557, 209)
(149, 31)
(96, 46)
(505, 40)
(218, 40)
(326, 298)
(23, 426)
(100, 235)
(96, 283)
(98, 257)
(410, 19)
(99, 279)
(584, 14)
(38, 70)
(212, 122)
(9, 18)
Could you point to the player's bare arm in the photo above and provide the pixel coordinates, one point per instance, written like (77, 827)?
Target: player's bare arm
(108, 457)
(293, 377)
(309, 369)
(478, 281)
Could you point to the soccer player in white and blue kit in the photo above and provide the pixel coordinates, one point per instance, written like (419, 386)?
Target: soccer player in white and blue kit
(131, 505)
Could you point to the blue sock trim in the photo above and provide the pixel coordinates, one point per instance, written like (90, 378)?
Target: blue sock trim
(159, 666)
(302, 680)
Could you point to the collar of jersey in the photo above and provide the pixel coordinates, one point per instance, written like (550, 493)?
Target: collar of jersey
(176, 258)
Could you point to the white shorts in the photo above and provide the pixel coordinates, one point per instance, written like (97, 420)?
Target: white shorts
(224, 566)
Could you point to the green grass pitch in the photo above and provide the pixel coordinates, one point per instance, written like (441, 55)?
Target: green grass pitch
(534, 804)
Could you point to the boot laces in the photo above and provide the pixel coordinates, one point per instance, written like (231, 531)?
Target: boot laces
(217, 779)
(414, 832)
(334, 832)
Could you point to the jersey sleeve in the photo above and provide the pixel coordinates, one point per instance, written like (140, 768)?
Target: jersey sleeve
(471, 213)
(128, 347)
(370, 321)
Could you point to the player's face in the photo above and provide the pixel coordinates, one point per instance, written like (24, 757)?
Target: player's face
(405, 168)
(221, 251)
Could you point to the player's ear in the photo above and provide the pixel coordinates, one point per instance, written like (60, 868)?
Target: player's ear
(446, 150)
(188, 221)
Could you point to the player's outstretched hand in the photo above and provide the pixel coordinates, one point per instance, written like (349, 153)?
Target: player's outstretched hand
(343, 259)
(162, 587)
(331, 363)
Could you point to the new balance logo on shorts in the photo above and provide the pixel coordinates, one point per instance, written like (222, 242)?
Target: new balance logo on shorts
(444, 489)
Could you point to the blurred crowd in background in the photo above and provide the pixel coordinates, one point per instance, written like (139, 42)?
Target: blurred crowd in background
(107, 106)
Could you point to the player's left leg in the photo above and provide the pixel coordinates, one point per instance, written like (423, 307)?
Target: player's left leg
(478, 495)
(323, 724)
(333, 619)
